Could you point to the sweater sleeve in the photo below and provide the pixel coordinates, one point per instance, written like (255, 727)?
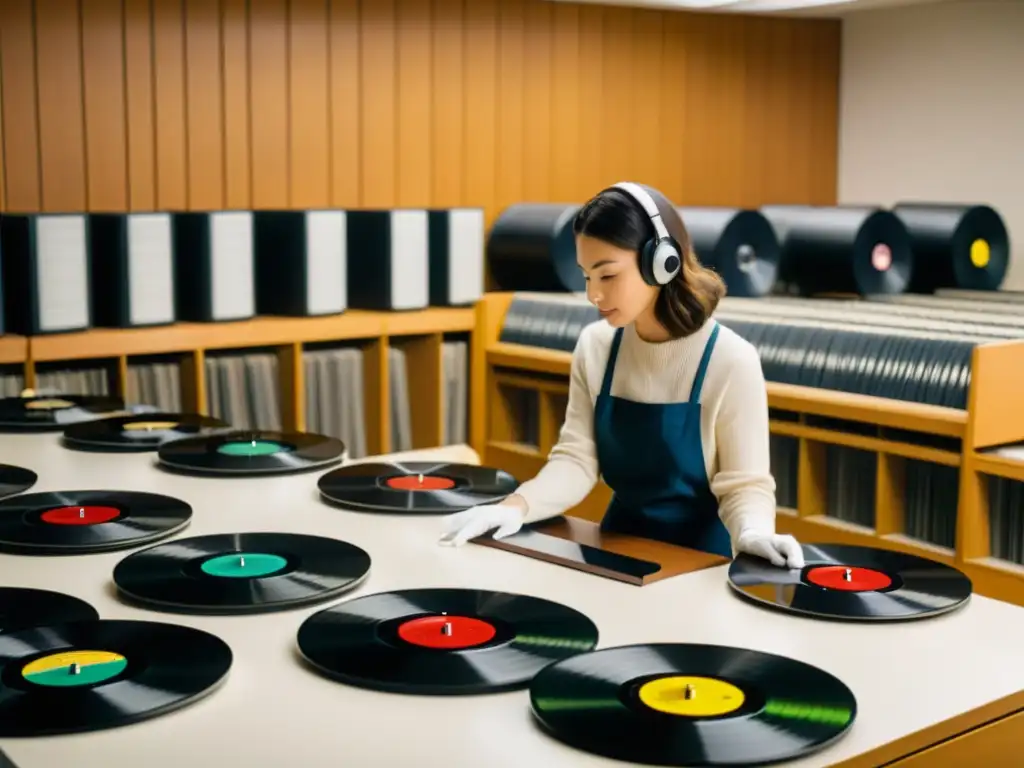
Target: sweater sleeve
(743, 482)
(571, 471)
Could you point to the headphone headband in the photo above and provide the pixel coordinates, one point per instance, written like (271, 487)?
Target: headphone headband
(660, 259)
(646, 202)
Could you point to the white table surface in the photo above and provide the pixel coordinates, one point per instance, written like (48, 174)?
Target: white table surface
(274, 712)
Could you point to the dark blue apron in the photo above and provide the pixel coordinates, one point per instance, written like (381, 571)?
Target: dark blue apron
(651, 455)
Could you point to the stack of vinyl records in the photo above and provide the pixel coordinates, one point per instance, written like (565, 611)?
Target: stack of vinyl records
(91, 380)
(401, 417)
(243, 390)
(335, 396)
(156, 383)
(456, 391)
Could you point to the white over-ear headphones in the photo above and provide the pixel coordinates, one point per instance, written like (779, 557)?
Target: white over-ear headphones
(660, 259)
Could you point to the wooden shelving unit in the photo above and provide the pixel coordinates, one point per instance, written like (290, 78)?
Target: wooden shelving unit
(513, 385)
(420, 333)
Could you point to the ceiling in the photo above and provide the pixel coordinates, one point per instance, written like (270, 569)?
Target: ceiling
(815, 8)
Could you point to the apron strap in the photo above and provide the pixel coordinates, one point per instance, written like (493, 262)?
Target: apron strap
(609, 368)
(698, 381)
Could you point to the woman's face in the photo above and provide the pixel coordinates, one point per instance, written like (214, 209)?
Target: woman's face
(614, 283)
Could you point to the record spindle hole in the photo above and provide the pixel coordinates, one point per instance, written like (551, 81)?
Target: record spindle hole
(848, 579)
(80, 515)
(447, 632)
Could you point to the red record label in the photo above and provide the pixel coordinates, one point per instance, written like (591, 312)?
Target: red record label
(449, 632)
(420, 483)
(87, 515)
(848, 578)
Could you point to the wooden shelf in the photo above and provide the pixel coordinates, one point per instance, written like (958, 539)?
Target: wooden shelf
(13, 350)
(257, 332)
(511, 378)
(420, 333)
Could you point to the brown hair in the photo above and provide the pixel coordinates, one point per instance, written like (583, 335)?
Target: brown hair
(684, 304)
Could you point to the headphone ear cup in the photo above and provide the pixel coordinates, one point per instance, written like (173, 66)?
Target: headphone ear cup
(647, 252)
(664, 262)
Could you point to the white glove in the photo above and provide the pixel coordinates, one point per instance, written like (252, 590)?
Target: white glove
(781, 550)
(476, 521)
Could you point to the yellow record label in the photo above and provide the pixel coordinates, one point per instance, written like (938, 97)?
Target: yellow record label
(48, 404)
(980, 253)
(139, 426)
(691, 696)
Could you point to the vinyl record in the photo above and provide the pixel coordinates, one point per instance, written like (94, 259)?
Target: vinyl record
(15, 479)
(237, 573)
(418, 487)
(102, 674)
(841, 581)
(24, 608)
(51, 412)
(138, 432)
(83, 522)
(442, 641)
(683, 704)
(251, 452)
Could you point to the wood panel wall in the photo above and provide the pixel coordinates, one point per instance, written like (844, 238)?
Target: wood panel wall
(115, 105)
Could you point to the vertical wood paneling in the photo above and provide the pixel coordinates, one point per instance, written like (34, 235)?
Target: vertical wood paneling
(169, 93)
(235, 56)
(415, 105)
(20, 115)
(205, 126)
(512, 113)
(480, 161)
(268, 104)
(176, 104)
(308, 107)
(104, 79)
(346, 124)
(538, 160)
(59, 95)
(647, 102)
(140, 105)
(377, 66)
(618, 81)
(566, 75)
(449, 103)
(590, 105)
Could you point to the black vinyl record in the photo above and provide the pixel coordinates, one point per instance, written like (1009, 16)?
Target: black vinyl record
(83, 522)
(24, 608)
(683, 704)
(52, 412)
(840, 581)
(101, 674)
(238, 573)
(251, 452)
(15, 479)
(138, 432)
(418, 487)
(442, 641)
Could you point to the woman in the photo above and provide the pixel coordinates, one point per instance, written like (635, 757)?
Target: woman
(668, 406)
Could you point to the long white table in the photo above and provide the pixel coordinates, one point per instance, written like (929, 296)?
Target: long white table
(274, 712)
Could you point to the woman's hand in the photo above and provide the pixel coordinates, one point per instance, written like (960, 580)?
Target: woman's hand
(782, 550)
(507, 517)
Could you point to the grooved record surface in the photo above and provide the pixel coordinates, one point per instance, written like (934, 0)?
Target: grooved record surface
(272, 711)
